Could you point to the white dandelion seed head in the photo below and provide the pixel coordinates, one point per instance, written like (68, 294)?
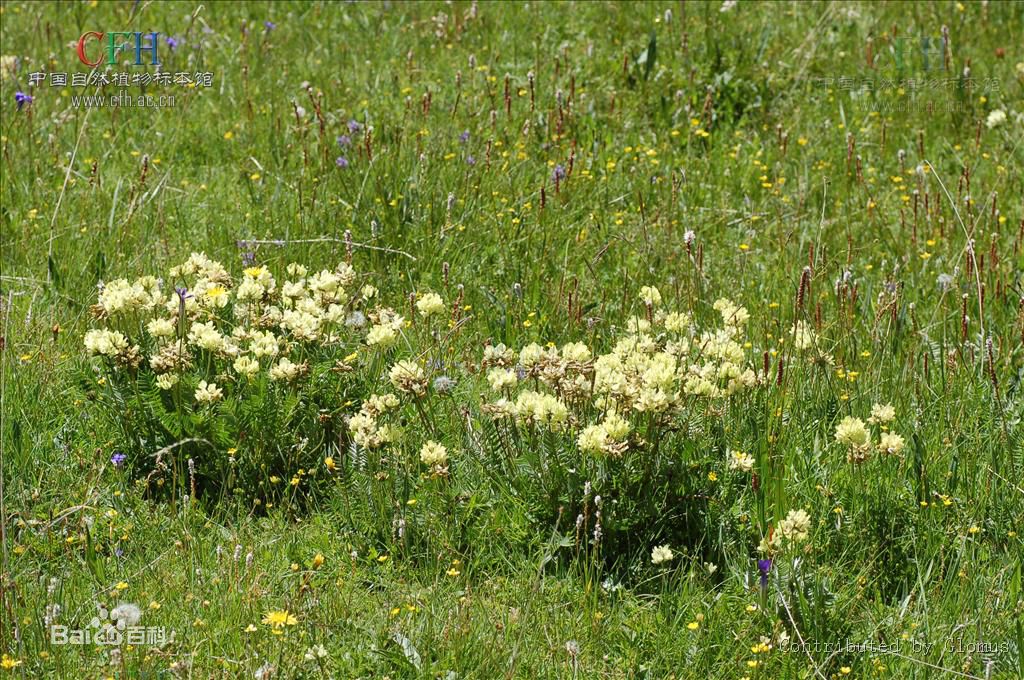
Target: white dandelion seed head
(126, 614)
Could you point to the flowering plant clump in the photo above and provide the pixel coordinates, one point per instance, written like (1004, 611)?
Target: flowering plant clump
(854, 434)
(591, 423)
(274, 385)
(243, 377)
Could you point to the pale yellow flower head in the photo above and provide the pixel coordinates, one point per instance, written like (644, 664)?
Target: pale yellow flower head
(852, 431)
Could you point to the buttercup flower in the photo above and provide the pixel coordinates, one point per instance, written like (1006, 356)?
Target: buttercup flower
(279, 619)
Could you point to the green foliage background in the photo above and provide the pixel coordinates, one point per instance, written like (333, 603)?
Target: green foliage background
(752, 127)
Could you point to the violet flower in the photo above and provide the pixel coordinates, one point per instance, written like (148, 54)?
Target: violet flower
(764, 566)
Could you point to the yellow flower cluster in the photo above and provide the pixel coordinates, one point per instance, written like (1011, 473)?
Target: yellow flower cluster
(433, 454)
(854, 433)
(243, 327)
(649, 371)
(364, 426)
(794, 528)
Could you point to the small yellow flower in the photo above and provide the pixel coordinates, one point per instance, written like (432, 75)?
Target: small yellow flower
(279, 619)
(693, 625)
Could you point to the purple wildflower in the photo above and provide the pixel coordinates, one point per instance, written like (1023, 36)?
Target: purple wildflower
(558, 174)
(344, 140)
(172, 42)
(341, 162)
(464, 137)
(248, 253)
(118, 459)
(22, 99)
(183, 294)
(470, 160)
(354, 126)
(764, 566)
(269, 25)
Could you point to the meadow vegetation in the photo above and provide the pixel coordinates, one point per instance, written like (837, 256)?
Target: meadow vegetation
(477, 340)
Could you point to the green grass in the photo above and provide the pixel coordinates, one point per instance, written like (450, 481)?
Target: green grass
(752, 128)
